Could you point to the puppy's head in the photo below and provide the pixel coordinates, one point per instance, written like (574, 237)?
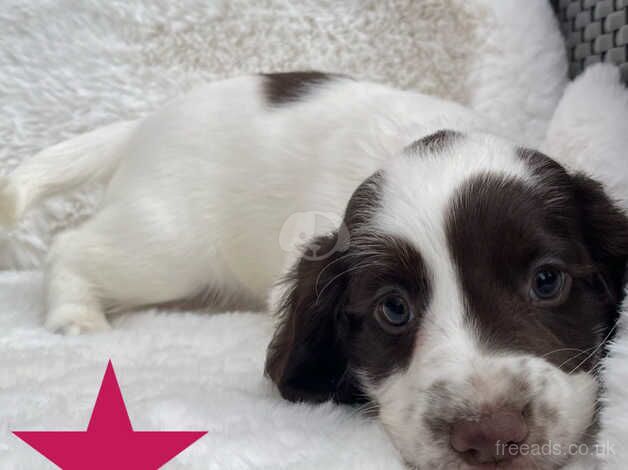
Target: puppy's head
(472, 303)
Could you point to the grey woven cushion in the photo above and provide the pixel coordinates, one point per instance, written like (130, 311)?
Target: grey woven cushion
(595, 31)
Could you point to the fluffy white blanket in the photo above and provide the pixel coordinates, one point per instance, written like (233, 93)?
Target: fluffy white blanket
(70, 65)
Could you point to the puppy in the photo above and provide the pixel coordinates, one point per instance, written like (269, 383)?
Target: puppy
(463, 285)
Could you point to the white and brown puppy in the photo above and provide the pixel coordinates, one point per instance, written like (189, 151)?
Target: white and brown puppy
(463, 285)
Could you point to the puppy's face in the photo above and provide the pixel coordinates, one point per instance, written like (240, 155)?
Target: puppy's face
(471, 305)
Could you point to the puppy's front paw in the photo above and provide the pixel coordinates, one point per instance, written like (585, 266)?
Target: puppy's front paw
(75, 320)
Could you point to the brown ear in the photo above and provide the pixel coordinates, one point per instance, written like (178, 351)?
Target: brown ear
(307, 357)
(605, 229)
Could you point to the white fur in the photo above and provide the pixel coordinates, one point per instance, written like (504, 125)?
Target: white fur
(209, 182)
(91, 156)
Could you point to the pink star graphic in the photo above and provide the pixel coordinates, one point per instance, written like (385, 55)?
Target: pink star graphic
(110, 441)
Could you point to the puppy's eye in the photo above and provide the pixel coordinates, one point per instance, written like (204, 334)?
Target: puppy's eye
(393, 312)
(549, 284)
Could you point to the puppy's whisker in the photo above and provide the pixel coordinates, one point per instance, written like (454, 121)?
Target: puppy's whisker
(366, 411)
(575, 356)
(339, 275)
(601, 344)
(320, 273)
(561, 350)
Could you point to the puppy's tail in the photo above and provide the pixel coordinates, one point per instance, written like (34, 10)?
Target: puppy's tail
(88, 157)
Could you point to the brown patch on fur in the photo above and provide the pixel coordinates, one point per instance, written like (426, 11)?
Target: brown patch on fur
(286, 87)
(435, 142)
(500, 230)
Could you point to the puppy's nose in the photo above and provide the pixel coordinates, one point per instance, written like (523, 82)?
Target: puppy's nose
(490, 438)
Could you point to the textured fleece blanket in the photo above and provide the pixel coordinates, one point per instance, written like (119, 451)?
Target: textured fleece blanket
(67, 66)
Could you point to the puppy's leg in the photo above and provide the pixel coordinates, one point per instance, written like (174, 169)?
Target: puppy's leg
(73, 302)
(127, 255)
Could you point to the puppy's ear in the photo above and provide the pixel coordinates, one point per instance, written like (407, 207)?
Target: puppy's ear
(307, 357)
(605, 229)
